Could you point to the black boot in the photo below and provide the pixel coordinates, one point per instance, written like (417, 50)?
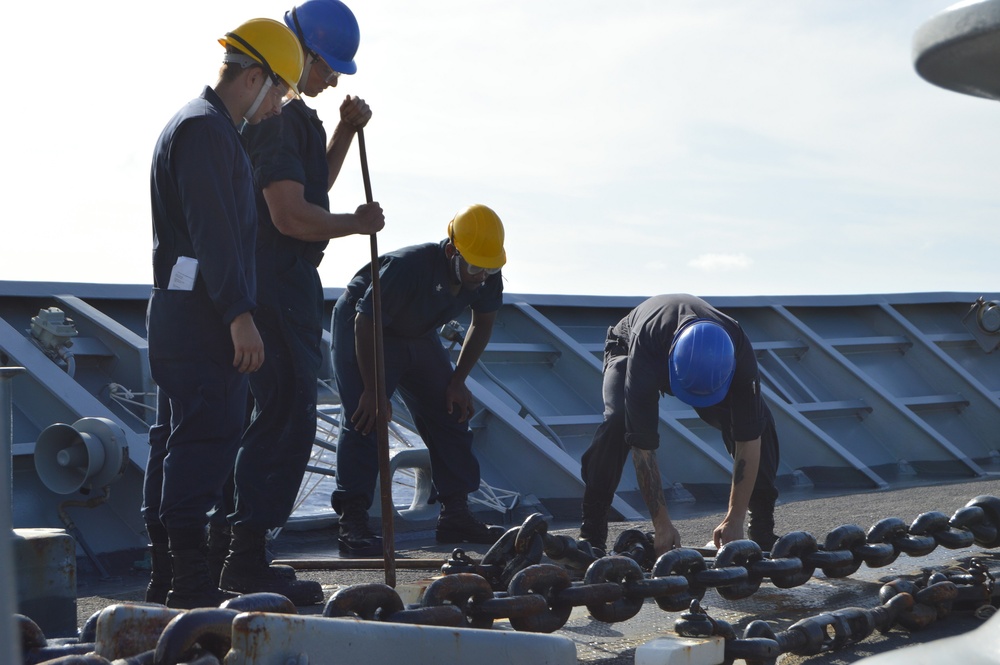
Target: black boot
(192, 586)
(246, 571)
(219, 539)
(356, 536)
(594, 527)
(457, 524)
(161, 573)
(218, 550)
(761, 525)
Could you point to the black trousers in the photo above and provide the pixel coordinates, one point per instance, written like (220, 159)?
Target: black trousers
(201, 406)
(420, 370)
(277, 445)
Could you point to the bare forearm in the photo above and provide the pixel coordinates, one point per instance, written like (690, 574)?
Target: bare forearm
(325, 226)
(480, 331)
(295, 217)
(647, 473)
(746, 460)
(364, 342)
(471, 351)
(336, 151)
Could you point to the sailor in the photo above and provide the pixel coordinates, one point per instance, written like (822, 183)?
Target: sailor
(682, 346)
(294, 169)
(203, 342)
(422, 288)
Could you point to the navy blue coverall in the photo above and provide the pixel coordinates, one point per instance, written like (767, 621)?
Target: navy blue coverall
(636, 373)
(278, 442)
(416, 301)
(203, 207)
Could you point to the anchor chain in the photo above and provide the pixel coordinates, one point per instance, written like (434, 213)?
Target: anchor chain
(511, 583)
(913, 605)
(739, 567)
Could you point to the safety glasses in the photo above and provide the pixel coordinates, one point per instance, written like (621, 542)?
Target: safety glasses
(475, 270)
(279, 87)
(326, 71)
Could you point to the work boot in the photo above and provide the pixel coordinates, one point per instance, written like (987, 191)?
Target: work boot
(766, 539)
(246, 571)
(161, 573)
(594, 528)
(356, 537)
(457, 524)
(218, 550)
(219, 539)
(191, 586)
(761, 526)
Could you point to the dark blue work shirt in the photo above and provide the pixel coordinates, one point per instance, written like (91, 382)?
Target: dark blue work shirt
(291, 146)
(415, 287)
(202, 193)
(648, 331)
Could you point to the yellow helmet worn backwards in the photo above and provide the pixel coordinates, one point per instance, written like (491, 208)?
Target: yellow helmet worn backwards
(477, 234)
(272, 45)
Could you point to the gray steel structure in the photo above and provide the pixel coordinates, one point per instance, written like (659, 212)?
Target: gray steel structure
(957, 49)
(869, 392)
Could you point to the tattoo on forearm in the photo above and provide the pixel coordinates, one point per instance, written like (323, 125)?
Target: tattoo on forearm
(648, 476)
(738, 472)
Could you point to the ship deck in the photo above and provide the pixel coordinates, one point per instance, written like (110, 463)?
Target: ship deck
(602, 643)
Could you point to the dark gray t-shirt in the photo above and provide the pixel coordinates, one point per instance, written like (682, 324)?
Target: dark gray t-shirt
(648, 333)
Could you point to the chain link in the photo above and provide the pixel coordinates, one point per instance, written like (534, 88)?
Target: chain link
(914, 605)
(511, 582)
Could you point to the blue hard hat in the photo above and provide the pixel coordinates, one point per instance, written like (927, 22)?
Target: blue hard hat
(702, 362)
(328, 28)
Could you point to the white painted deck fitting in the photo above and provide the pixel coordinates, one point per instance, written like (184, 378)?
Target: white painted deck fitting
(279, 639)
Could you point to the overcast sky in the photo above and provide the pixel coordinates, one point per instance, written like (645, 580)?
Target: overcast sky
(631, 148)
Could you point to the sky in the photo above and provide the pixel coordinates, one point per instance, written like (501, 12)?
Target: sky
(630, 148)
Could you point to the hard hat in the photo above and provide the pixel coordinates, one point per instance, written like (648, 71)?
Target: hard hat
(702, 362)
(477, 234)
(272, 45)
(328, 28)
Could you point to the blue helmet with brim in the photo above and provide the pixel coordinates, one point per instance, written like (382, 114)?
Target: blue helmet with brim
(702, 361)
(329, 29)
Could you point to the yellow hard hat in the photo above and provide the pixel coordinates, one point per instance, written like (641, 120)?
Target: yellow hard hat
(272, 45)
(477, 234)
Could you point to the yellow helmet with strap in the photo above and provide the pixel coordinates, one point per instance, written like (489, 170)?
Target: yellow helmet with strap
(271, 44)
(477, 234)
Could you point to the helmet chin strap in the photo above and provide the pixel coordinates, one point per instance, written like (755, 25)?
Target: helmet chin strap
(264, 89)
(305, 72)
